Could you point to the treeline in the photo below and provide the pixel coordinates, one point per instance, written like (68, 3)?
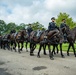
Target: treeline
(6, 28)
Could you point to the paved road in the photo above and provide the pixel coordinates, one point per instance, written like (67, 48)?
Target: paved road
(13, 63)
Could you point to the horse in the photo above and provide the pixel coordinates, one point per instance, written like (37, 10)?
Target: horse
(5, 41)
(60, 40)
(34, 40)
(20, 38)
(27, 41)
(57, 40)
(42, 41)
(71, 37)
(13, 41)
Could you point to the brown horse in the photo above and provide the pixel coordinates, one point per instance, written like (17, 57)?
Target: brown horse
(44, 39)
(71, 33)
(58, 39)
(71, 37)
(5, 41)
(13, 41)
(20, 38)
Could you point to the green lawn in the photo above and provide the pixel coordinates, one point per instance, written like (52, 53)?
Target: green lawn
(64, 47)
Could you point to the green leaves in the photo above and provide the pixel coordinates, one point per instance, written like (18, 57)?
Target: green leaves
(6, 28)
(37, 26)
(69, 20)
(2, 27)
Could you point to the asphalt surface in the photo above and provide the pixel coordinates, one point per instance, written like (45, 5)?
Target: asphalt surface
(13, 63)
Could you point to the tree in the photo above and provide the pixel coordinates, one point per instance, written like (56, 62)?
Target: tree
(37, 26)
(69, 20)
(10, 26)
(2, 27)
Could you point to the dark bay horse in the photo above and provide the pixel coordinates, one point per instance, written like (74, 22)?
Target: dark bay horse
(42, 41)
(71, 37)
(13, 41)
(20, 38)
(34, 40)
(27, 41)
(5, 41)
(58, 39)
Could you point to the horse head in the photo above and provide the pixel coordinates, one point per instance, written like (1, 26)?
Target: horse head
(67, 29)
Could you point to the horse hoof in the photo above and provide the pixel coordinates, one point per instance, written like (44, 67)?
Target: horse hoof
(57, 52)
(45, 53)
(68, 54)
(38, 56)
(51, 58)
(31, 54)
(20, 49)
(63, 56)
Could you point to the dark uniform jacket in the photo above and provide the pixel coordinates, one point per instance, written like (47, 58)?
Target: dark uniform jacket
(62, 25)
(12, 31)
(52, 26)
(29, 29)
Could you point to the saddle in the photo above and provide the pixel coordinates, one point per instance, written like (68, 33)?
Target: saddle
(53, 33)
(14, 35)
(38, 34)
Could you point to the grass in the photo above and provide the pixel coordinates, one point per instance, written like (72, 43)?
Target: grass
(64, 47)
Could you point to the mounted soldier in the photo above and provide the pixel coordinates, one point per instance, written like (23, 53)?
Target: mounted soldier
(63, 28)
(12, 31)
(29, 29)
(52, 27)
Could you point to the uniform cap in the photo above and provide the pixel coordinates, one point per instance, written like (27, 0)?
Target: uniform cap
(53, 18)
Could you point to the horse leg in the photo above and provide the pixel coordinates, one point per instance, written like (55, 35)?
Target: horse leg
(57, 49)
(4, 45)
(68, 49)
(11, 45)
(14, 46)
(8, 45)
(50, 53)
(1, 44)
(31, 50)
(21, 46)
(26, 46)
(73, 49)
(61, 51)
(53, 51)
(38, 55)
(33, 47)
(44, 48)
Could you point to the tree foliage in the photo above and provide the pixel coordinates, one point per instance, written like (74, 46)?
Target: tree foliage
(10, 26)
(6, 28)
(37, 26)
(69, 20)
(2, 27)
